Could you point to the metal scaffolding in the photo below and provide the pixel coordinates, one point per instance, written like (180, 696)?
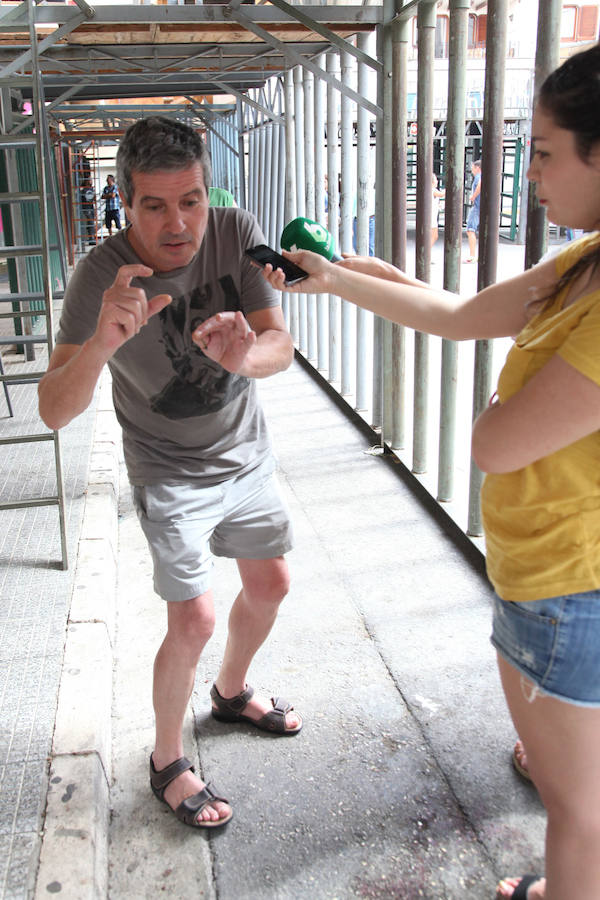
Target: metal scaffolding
(306, 111)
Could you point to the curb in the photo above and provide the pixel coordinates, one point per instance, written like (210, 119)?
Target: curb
(74, 852)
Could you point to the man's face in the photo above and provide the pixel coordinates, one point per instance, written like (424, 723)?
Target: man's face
(168, 216)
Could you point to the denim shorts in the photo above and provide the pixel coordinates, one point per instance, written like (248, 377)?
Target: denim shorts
(186, 525)
(555, 643)
(473, 219)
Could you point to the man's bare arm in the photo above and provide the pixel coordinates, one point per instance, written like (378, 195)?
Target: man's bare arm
(73, 371)
(67, 388)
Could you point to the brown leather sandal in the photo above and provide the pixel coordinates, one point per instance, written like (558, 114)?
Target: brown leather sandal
(188, 809)
(273, 721)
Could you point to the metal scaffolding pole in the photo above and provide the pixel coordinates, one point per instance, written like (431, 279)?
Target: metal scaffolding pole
(454, 186)
(300, 192)
(309, 200)
(319, 207)
(346, 217)
(290, 301)
(400, 38)
(426, 58)
(364, 319)
(333, 209)
(383, 366)
(489, 227)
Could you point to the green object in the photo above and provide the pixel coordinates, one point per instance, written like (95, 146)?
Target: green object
(304, 234)
(220, 197)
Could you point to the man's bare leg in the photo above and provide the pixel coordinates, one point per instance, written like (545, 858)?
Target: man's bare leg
(190, 625)
(265, 583)
(472, 239)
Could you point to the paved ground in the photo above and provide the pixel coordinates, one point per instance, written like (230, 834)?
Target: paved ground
(35, 600)
(400, 784)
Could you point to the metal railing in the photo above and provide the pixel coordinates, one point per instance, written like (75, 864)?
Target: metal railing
(329, 141)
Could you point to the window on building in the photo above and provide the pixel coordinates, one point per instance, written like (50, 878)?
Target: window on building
(481, 30)
(579, 23)
(472, 32)
(441, 37)
(587, 27)
(568, 23)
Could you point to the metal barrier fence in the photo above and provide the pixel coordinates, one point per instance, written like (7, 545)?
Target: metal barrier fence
(329, 141)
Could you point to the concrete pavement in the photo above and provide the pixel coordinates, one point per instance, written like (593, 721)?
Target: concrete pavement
(400, 784)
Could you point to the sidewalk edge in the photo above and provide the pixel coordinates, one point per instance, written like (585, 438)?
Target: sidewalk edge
(74, 851)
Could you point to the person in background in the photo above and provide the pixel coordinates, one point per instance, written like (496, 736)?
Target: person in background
(473, 217)
(435, 208)
(187, 326)
(110, 195)
(574, 234)
(539, 445)
(220, 197)
(87, 199)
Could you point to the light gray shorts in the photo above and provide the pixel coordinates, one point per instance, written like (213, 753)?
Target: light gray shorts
(186, 525)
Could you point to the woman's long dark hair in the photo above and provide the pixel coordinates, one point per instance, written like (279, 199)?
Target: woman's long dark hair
(571, 96)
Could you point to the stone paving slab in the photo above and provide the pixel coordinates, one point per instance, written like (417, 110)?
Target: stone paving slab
(35, 596)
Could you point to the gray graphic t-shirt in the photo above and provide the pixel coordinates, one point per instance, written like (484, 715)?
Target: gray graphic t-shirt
(183, 416)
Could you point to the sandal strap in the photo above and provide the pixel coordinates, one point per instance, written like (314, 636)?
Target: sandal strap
(281, 706)
(160, 780)
(188, 809)
(520, 892)
(232, 704)
(274, 720)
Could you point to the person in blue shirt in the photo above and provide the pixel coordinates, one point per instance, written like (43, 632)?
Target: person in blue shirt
(110, 195)
(473, 217)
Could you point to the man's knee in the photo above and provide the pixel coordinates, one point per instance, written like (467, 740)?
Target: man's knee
(191, 622)
(266, 581)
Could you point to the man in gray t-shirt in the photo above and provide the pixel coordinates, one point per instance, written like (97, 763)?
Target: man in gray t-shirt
(186, 325)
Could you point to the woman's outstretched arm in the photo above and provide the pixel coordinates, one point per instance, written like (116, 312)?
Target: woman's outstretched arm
(497, 311)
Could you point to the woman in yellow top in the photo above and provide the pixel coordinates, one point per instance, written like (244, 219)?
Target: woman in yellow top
(540, 447)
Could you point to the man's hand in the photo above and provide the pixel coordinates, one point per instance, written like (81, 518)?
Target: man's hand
(125, 309)
(227, 339)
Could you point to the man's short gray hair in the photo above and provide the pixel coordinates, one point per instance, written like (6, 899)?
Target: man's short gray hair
(158, 143)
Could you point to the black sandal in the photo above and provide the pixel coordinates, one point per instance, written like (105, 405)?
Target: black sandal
(273, 721)
(520, 892)
(188, 809)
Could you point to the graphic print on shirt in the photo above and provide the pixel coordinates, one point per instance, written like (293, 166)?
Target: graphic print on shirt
(199, 385)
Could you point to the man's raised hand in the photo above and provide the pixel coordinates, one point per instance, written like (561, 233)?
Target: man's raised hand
(126, 309)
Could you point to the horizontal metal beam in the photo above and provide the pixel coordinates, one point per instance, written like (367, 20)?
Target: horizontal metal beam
(116, 87)
(338, 16)
(166, 51)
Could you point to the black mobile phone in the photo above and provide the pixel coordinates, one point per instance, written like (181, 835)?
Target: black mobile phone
(262, 255)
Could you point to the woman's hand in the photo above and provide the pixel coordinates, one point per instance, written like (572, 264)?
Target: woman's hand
(321, 278)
